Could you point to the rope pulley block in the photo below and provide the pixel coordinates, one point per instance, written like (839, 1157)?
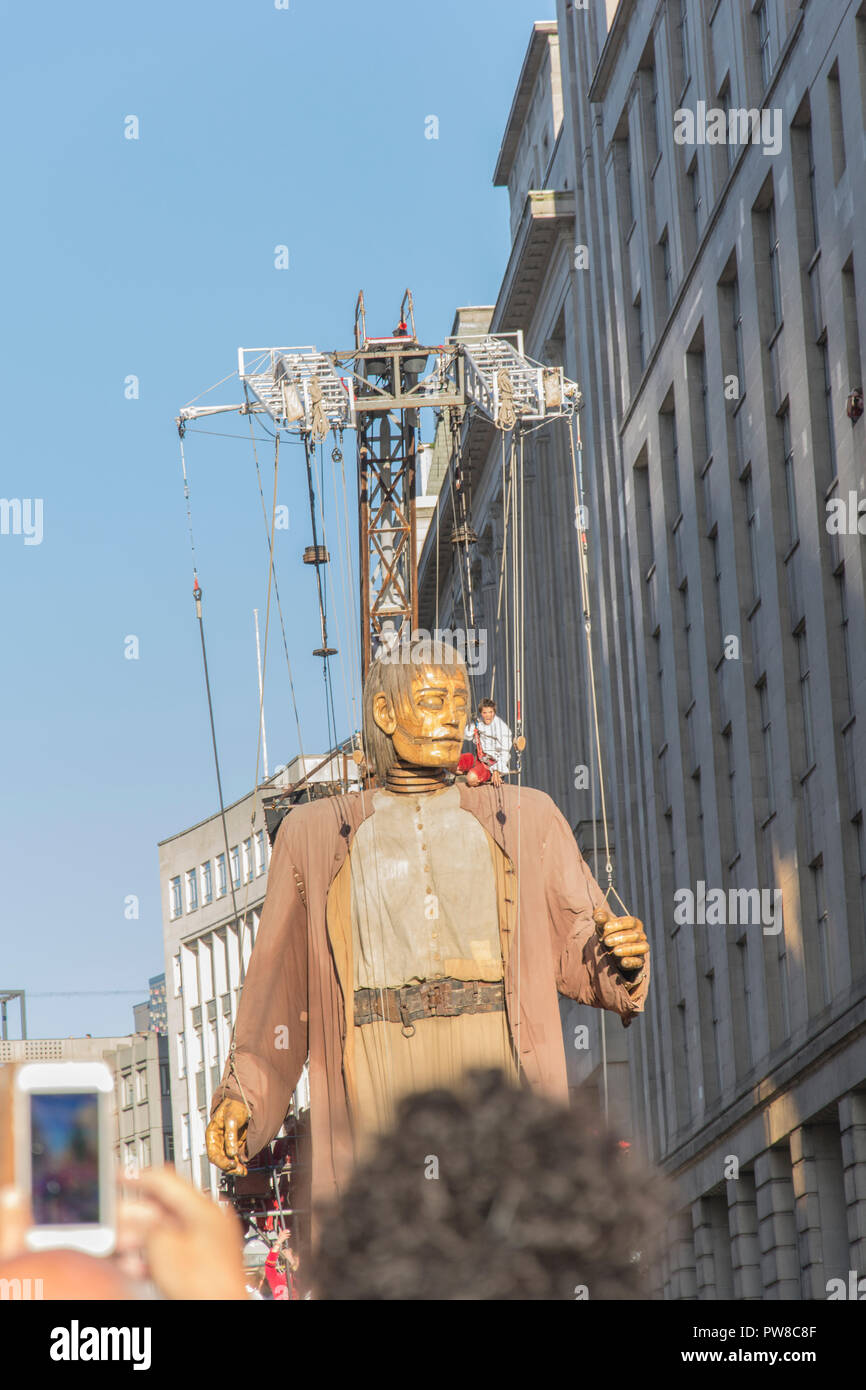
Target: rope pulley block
(463, 535)
(316, 555)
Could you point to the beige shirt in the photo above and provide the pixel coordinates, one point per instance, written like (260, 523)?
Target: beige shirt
(423, 894)
(423, 907)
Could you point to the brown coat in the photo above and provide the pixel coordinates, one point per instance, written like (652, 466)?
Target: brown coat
(292, 1002)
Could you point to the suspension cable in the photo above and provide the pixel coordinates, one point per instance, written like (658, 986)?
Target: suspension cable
(197, 595)
(579, 520)
(269, 535)
(329, 701)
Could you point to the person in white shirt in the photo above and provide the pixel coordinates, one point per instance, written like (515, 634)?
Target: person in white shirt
(492, 738)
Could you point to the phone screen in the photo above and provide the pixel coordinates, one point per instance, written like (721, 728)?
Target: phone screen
(64, 1138)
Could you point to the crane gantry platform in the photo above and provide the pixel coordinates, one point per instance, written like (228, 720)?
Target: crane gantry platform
(376, 388)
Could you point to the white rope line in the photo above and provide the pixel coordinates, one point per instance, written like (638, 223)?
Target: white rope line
(318, 487)
(580, 516)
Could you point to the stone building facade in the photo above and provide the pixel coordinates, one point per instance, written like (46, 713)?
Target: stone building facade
(708, 295)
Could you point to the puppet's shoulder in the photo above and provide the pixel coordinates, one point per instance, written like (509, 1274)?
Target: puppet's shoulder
(510, 807)
(327, 818)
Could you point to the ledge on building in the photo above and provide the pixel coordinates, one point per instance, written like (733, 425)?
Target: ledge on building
(548, 214)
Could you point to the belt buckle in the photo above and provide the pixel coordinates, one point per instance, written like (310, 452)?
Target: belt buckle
(407, 1028)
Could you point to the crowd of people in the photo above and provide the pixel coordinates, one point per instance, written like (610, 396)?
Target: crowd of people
(489, 1192)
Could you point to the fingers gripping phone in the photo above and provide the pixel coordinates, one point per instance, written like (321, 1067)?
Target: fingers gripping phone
(63, 1151)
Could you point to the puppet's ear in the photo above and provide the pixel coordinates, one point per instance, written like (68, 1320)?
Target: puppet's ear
(383, 713)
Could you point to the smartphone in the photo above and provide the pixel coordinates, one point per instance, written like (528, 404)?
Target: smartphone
(63, 1144)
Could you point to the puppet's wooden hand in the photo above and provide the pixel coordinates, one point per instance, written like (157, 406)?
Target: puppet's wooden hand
(624, 937)
(225, 1134)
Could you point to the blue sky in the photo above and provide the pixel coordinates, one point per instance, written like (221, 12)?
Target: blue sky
(258, 127)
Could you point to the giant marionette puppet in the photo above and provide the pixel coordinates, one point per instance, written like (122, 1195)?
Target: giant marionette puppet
(412, 931)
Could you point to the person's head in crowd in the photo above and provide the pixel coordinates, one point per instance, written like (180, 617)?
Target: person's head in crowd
(493, 1192)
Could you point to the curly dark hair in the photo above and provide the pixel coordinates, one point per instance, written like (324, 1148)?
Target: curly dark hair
(493, 1192)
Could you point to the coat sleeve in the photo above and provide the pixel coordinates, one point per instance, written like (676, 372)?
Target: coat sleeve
(585, 971)
(271, 1033)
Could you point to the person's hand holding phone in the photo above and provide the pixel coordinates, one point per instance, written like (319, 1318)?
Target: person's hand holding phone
(191, 1247)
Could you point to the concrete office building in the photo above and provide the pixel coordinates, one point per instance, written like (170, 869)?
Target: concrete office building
(209, 933)
(713, 311)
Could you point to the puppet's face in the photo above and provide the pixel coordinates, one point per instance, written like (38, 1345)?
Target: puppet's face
(427, 728)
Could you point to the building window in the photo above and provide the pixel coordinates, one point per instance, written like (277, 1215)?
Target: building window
(714, 1078)
(717, 581)
(129, 1162)
(665, 246)
(705, 399)
(784, 989)
(813, 196)
(175, 899)
(141, 1084)
(762, 20)
(248, 860)
(790, 488)
(846, 649)
(675, 468)
(697, 202)
(727, 735)
(683, 27)
(126, 1090)
(191, 890)
(206, 883)
(767, 741)
(632, 201)
(823, 932)
(175, 965)
(639, 324)
(725, 103)
(222, 886)
(828, 407)
(805, 698)
(181, 1057)
(737, 321)
(164, 1079)
(144, 1151)
(260, 852)
(752, 524)
(861, 852)
(655, 115)
(184, 1136)
(852, 331)
(743, 997)
(775, 277)
(837, 136)
(236, 866)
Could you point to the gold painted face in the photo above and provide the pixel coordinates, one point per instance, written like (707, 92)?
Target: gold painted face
(427, 729)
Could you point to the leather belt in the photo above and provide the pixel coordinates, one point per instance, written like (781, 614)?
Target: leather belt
(434, 999)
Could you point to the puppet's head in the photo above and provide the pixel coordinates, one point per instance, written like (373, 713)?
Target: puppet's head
(416, 704)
